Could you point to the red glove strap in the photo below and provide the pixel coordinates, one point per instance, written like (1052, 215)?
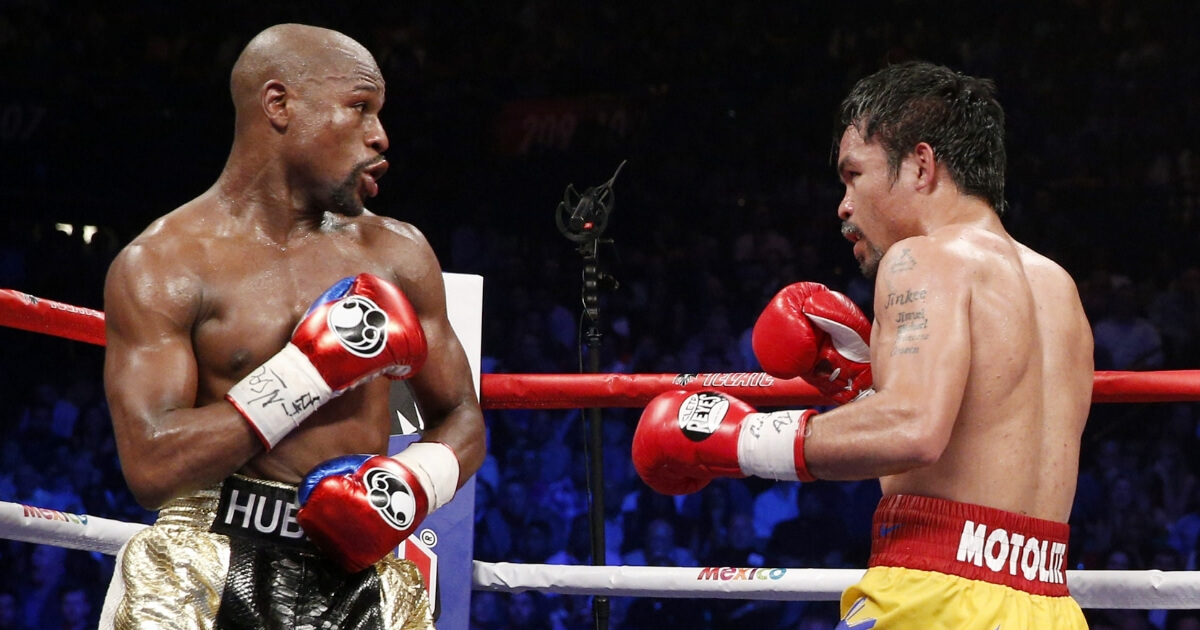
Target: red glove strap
(802, 466)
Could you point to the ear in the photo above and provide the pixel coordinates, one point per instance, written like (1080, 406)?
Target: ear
(274, 100)
(926, 163)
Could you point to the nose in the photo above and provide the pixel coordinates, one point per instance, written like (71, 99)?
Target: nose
(376, 137)
(845, 208)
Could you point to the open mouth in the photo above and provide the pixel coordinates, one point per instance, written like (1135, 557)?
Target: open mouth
(371, 176)
(851, 233)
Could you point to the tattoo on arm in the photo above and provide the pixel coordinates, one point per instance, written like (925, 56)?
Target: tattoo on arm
(904, 262)
(907, 297)
(910, 332)
(909, 319)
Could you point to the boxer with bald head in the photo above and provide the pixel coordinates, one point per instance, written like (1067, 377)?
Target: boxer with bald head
(967, 397)
(247, 333)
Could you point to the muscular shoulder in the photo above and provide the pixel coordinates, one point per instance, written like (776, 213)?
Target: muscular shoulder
(960, 251)
(403, 245)
(927, 256)
(1040, 266)
(403, 249)
(1054, 287)
(387, 230)
(157, 270)
(170, 246)
(951, 265)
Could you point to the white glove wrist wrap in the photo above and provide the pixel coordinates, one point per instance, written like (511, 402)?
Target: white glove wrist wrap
(436, 467)
(279, 394)
(767, 443)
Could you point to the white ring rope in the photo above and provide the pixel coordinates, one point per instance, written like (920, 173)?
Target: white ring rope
(61, 529)
(709, 582)
(1135, 590)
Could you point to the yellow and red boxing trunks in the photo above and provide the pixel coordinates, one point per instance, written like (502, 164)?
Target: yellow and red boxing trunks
(233, 557)
(938, 564)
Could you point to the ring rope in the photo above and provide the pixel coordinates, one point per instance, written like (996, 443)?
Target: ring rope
(1136, 590)
(1132, 590)
(35, 314)
(573, 391)
(45, 526)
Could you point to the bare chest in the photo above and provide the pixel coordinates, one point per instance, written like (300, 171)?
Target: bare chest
(254, 297)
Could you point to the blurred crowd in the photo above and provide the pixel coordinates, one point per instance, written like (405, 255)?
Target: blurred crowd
(728, 196)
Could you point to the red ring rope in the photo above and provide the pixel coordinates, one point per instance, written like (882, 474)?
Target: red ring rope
(26, 312)
(569, 391)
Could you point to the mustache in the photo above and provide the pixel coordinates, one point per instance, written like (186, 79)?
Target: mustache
(848, 230)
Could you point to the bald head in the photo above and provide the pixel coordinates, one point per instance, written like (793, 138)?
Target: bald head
(307, 103)
(296, 54)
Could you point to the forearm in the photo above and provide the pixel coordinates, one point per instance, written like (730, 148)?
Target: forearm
(461, 429)
(183, 450)
(867, 440)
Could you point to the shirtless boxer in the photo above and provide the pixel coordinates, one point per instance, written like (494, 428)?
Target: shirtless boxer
(980, 358)
(246, 333)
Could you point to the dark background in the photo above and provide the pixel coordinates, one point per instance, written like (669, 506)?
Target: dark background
(113, 115)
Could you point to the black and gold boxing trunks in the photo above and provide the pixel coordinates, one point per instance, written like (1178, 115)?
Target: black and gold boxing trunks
(232, 557)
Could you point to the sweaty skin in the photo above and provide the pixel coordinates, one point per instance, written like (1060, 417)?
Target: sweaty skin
(213, 289)
(980, 349)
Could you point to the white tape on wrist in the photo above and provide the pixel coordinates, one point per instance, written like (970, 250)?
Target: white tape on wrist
(436, 467)
(767, 443)
(279, 394)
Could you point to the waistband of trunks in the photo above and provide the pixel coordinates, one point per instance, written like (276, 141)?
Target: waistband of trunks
(971, 541)
(261, 510)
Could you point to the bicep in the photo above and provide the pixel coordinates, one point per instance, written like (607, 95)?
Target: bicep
(149, 366)
(444, 383)
(921, 350)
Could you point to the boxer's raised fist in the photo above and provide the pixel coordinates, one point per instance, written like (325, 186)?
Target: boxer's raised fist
(811, 332)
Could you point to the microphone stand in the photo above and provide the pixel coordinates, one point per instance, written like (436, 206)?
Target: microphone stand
(585, 225)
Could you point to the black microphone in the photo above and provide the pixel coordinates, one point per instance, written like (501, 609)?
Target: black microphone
(589, 213)
(586, 208)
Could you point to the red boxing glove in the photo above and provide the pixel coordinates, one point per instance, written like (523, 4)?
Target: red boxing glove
(819, 335)
(361, 327)
(684, 440)
(359, 508)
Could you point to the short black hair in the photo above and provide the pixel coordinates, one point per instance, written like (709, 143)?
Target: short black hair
(958, 115)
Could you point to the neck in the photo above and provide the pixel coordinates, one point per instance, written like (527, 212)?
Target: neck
(269, 217)
(949, 207)
(256, 189)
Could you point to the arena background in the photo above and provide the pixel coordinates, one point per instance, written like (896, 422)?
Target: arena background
(111, 116)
